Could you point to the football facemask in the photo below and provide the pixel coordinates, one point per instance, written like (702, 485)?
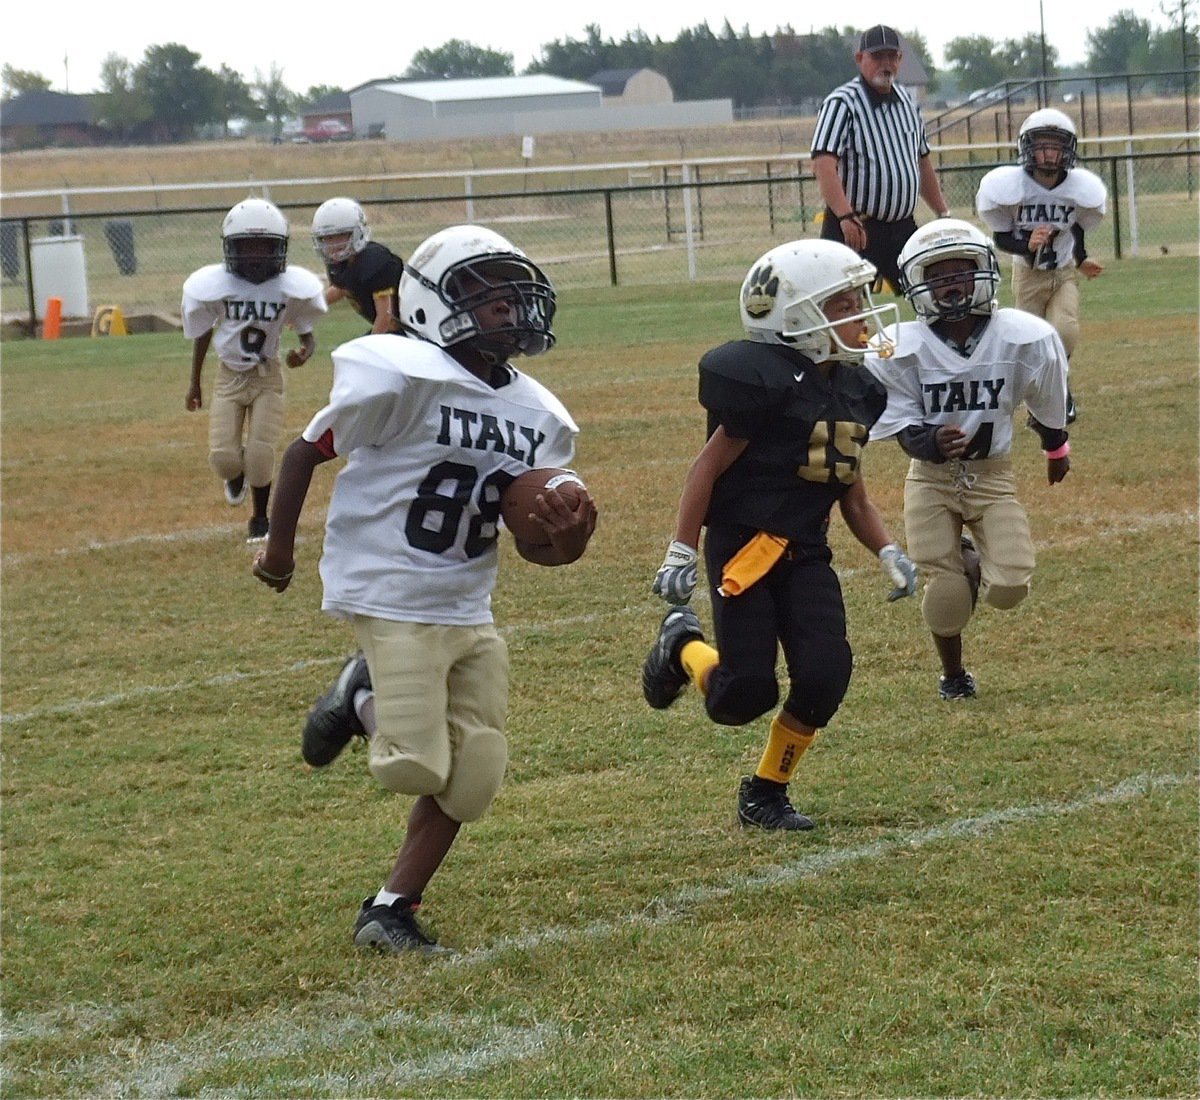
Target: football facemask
(254, 240)
(1044, 129)
(456, 274)
(949, 296)
(784, 292)
(339, 230)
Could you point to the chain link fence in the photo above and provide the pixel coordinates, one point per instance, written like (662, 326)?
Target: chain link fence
(689, 222)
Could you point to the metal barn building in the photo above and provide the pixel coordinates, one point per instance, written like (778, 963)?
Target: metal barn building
(436, 110)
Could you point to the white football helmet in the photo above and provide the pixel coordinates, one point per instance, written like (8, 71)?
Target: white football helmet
(1047, 124)
(455, 271)
(254, 238)
(339, 217)
(784, 292)
(949, 239)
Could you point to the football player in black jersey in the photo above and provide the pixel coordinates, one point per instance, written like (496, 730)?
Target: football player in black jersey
(360, 269)
(789, 412)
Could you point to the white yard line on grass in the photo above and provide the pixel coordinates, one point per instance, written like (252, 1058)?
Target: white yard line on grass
(338, 1022)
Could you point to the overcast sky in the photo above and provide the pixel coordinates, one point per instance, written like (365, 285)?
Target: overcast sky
(346, 47)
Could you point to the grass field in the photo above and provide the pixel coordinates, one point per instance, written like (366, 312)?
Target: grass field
(1000, 898)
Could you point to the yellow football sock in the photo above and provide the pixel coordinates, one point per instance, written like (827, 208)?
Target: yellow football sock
(783, 752)
(698, 658)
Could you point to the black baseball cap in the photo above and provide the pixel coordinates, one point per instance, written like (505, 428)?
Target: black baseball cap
(878, 37)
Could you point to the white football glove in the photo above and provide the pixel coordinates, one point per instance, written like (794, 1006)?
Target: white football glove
(675, 580)
(899, 570)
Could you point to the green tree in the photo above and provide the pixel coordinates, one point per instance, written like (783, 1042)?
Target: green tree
(976, 61)
(318, 92)
(578, 59)
(234, 98)
(120, 107)
(1122, 45)
(695, 52)
(458, 60)
(1023, 57)
(17, 82)
(182, 94)
(274, 98)
(1172, 50)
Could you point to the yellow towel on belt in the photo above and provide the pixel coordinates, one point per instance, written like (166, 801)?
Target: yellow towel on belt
(751, 563)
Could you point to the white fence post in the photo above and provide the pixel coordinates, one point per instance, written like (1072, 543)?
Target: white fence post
(1131, 189)
(685, 177)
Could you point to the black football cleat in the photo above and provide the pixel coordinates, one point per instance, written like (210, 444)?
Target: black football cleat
(961, 686)
(333, 720)
(257, 528)
(235, 490)
(663, 677)
(764, 805)
(393, 929)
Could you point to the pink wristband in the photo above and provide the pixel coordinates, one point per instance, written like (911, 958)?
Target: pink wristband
(1060, 452)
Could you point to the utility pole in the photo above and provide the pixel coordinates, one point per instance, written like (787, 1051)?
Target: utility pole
(1181, 10)
(1043, 94)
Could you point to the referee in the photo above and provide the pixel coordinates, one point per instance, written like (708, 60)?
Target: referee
(871, 158)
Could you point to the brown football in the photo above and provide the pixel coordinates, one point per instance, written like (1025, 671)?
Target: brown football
(520, 499)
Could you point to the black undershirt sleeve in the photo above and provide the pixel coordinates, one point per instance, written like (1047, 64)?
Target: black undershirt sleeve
(917, 441)
(1080, 251)
(1052, 438)
(1012, 242)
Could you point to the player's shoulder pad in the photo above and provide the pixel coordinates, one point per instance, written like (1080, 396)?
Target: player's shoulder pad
(1018, 327)
(207, 284)
(396, 354)
(1002, 186)
(299, 282)
(529, 391)
(381, 254)
(906, 338)
(1087, 188)
(746, 361)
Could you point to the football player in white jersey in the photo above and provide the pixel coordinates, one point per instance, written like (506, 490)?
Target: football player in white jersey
(433, 425)
(957, 377)
(1040, 211)
(243, 305)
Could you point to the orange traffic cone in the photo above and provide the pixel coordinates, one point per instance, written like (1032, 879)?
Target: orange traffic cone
(52, 324)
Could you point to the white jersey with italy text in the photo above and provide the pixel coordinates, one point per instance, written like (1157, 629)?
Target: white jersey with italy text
(415, 514)
(1018, 358)
(1010, 200)
(247, 319)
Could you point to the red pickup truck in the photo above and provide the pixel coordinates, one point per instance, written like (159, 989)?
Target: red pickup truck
(329, 129)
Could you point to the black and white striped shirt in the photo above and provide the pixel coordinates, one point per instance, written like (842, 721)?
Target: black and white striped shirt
(878, 140)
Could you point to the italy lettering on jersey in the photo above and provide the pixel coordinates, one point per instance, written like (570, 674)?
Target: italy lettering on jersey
(247, 319)
(1011, 200)
(415, 514)
(1018, 358)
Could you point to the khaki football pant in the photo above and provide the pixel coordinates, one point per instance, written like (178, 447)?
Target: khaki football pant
(1053, 295)
(441, 697)
(940, 499)
(252, 401)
